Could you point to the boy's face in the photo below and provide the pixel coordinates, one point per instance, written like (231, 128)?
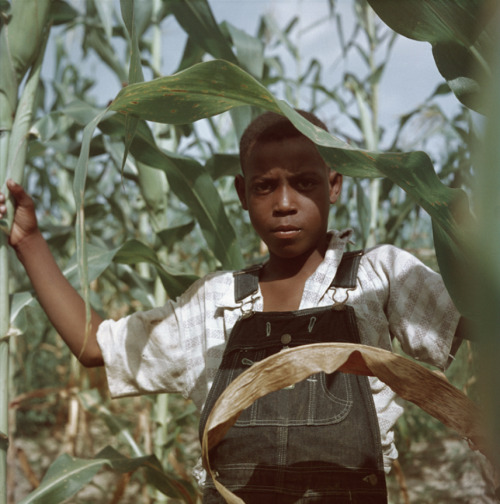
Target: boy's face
(288, 189)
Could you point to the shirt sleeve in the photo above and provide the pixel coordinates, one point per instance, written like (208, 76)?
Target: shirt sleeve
(419, 310)
(157, 350)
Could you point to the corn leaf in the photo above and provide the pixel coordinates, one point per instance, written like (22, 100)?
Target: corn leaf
(61, 12)
(221, 165)
(18, 139)
(134, 252)
(67, 475)
(105, 11)
(170, 236)
(131, 252)
(98, 259)
(128, 14)
(459, 34)
(201, 91)
(79, 194)
(250, 50)
(198, 22)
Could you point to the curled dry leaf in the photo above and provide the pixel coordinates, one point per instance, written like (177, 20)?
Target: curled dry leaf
(411, 381)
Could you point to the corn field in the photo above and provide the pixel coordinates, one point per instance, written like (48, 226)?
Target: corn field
(135, 196)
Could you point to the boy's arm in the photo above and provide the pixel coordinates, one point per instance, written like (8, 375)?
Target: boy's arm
(63, 305)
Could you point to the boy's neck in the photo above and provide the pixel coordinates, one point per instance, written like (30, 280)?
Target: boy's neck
(282, 280)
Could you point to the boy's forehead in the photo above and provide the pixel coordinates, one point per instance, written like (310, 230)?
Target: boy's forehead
(297, 153)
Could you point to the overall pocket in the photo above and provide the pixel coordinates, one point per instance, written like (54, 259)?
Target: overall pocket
(321, 399)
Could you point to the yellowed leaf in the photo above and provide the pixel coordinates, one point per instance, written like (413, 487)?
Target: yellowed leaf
(428, 390)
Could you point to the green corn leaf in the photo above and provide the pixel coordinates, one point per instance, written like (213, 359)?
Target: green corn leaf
(134, 252)
(198, 22)
(18, 141)
(460, 36)
(181, 98)
(67, 475)
(143, 15)
(105, 11)
(61, 12)
(79, 194)
(135, 71)
(128, 14)
(131, 252)
(250, 50)
(98, 259)
(192, 55)
(437, 21)
(8, 85)
(201, 91)
(222, 165)
(131, 124)
(170, 236)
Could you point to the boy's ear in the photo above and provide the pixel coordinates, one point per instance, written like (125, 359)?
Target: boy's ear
(335, 179)
(239, 183)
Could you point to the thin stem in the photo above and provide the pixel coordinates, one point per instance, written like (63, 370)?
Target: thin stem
(4, 365)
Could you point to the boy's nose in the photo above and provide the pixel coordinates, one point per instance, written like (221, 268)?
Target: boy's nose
(284, 201)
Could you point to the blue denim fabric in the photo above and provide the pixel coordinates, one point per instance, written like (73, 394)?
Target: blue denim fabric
(315, 442)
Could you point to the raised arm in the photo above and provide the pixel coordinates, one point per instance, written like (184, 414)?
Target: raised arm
(62, 303)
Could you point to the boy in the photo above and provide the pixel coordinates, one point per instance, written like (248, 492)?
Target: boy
(327, 439)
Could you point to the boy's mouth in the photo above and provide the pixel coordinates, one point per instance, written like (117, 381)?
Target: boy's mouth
(286, 231)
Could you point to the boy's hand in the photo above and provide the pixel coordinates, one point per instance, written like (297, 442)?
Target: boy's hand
(24, 223)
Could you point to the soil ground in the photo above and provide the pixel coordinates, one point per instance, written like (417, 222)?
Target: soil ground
(441, 472)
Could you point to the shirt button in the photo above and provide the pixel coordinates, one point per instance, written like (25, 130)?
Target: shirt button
(286, 338)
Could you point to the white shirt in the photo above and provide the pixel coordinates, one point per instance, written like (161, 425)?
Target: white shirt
(179, 347)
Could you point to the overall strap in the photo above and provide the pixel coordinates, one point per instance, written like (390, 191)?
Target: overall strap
(347, 272)
(246, 281)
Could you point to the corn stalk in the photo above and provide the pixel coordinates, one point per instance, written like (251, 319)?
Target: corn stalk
(367, 102)
(488, 293)
(24, 33)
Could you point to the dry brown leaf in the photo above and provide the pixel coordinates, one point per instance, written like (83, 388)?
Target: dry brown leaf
(409, 380)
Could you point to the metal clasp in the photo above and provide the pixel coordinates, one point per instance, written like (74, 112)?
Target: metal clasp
(340, 305)
(247, 307)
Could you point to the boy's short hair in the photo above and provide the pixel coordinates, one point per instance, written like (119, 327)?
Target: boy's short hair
(271, 127)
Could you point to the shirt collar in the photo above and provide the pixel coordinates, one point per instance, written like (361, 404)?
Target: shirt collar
(318, 283)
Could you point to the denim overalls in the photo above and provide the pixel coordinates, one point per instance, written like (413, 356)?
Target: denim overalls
(317, 441)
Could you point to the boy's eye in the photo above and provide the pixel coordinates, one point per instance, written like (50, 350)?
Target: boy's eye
(305, 184)
(262, 187)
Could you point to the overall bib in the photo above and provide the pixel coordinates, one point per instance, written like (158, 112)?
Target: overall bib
(317, 441)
